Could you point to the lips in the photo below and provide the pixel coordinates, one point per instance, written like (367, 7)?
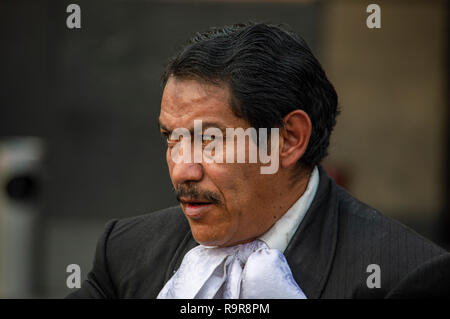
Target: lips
(195, 209)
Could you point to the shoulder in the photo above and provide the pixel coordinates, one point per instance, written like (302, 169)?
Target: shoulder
(133, 255)
(148, 231)
(365, 223)
(369, 240)
(429, 280)
(139, 250)
(161, 223)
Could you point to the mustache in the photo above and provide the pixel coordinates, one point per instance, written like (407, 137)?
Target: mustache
(192, 192)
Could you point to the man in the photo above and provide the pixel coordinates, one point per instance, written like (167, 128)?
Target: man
(243, 230)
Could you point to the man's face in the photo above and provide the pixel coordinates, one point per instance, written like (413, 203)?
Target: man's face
(225, 203)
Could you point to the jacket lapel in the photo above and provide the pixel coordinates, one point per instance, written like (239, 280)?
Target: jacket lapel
(310, 252)
(187, 244)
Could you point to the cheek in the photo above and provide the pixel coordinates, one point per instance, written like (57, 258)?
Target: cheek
(234, 181)
(224, 180)
(235, 218)
(248, 193)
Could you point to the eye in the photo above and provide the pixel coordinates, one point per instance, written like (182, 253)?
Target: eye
(206, 139)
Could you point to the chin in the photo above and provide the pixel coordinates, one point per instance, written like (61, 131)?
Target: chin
(207, 240)
(205, 236)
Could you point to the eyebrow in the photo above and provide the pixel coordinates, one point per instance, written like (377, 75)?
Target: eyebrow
(205, 125)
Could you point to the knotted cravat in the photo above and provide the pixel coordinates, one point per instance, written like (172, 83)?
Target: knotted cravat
(247, 271)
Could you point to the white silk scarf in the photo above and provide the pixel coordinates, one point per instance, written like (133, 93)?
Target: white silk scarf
(247, 271)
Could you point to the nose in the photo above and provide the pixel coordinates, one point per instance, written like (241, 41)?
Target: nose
(186, 172)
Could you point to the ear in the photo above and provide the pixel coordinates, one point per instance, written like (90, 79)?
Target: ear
(294, 137)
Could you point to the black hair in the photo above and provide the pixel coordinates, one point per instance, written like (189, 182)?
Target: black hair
(270, 71)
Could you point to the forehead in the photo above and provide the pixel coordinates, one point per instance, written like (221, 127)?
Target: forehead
(186, 100)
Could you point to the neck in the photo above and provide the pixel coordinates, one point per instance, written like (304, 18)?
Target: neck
(293, 190)
(284, 197)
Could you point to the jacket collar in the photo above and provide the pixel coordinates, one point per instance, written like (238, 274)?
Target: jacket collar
(310, 252)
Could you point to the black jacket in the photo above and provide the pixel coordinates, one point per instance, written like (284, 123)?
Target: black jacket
(328, 255)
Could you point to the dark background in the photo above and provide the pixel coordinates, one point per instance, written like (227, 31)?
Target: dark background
(93, 94)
